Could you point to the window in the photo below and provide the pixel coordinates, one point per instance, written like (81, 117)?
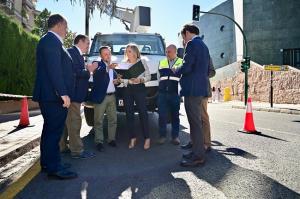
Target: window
(222, 55)
(147, 44)
(222, 28)
(291, 57)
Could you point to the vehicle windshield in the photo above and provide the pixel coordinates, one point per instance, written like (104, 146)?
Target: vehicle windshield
(147, 44)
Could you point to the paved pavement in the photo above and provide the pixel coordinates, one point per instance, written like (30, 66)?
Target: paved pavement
(239, 166)
(264, 106)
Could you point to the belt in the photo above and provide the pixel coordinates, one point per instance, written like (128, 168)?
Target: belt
(110, 93)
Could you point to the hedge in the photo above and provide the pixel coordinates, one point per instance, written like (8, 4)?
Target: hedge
(17, 57)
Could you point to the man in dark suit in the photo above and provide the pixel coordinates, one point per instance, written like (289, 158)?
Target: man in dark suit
(204, 115)
(103, 98)
(73, 122)
(53, 88)
(194, 88)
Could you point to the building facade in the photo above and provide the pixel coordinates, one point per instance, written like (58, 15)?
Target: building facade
(22, 10)
(272, 29)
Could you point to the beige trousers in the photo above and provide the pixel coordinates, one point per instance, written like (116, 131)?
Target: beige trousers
(109, 107)
(72, 129)
(205, 122)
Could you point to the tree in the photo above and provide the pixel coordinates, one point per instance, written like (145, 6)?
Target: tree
(102, 5)
(41, 23)
(41, 28)
(68, 41)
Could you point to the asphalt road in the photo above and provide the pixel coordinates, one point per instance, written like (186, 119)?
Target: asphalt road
(239, 166)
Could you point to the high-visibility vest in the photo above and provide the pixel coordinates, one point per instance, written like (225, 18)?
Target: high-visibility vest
(168, 81)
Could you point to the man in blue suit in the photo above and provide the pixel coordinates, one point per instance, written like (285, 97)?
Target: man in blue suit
(194, 88)
(53, 89)
(73, 122)
(103, 98)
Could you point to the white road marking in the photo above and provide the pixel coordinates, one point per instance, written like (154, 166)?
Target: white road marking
(260, 128)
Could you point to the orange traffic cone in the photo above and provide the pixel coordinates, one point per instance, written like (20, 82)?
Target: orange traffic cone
(249, 122)
(24, 115)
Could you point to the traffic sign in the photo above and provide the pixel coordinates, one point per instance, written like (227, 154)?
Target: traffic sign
(276, 67)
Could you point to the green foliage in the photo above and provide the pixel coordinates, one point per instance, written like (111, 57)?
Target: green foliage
(103, 6)
(17, 57)
(41, 28)
(68, 41)
(41, 23)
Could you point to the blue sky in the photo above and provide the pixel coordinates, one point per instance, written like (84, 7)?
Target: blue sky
(167, 16)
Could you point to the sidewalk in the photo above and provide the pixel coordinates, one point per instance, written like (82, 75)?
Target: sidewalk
(19, 147)
(265, 106)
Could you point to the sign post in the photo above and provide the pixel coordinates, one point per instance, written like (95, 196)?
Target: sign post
(273, 68)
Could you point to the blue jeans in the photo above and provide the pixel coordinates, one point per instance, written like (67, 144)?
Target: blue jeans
(168, 105)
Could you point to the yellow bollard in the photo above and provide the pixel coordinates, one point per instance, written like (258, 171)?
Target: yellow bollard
(227, 95)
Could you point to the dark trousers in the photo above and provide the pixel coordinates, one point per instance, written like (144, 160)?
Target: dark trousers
(193, 111)
(136, 93)
(54, 115)
(168, 105)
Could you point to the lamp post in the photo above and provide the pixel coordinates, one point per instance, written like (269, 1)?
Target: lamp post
(246, 62)
(87, 17)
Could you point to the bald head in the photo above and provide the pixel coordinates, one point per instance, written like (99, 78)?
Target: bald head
(171, 52)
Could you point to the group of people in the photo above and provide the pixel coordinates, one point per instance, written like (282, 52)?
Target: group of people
(216, 95)
(62, 84)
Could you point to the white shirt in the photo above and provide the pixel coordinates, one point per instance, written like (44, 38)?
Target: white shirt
(111, 87)
(79, 50)
(58, 37)
(195, 37)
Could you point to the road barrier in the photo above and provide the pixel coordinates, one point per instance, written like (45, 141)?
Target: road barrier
(249, 126)
(24, 115)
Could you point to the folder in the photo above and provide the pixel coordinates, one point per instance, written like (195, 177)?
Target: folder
(133, 72)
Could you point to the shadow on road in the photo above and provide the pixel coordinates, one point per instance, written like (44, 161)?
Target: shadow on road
(271, 137)
(123, 173)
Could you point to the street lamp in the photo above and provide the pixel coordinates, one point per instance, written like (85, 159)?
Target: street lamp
(87, 17)
(246, 62)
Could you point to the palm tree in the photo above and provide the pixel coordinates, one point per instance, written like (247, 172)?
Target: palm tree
(104, 6)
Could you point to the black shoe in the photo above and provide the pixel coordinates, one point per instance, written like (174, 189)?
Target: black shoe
(83, 155)
(64, 166)
(192, 162)
(100, 147)
(112, 143)
(187, 146)
(188, 155)
(63, 175)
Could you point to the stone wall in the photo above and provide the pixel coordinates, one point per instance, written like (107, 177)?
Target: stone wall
(12, 106)
(286, 85)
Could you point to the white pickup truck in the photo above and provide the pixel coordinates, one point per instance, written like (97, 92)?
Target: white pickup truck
(152, 50)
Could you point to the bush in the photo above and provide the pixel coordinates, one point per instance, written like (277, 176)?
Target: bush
(17, 57)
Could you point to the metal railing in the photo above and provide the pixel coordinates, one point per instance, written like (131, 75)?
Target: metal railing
(4, 96)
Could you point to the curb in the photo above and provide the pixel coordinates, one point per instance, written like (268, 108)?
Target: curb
(16, 179)
(19, 151)
(274, 110)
